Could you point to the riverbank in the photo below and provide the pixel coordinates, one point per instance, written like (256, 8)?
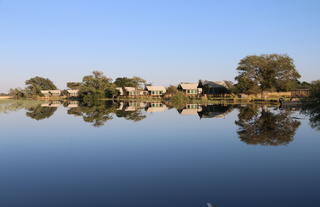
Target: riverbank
(189, 100)
(197, 100)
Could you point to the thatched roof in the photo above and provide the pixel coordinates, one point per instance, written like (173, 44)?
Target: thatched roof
(50, 91)
(189, 86)
(156, 88)
(73, 91)
(216, 84)
(129, 89)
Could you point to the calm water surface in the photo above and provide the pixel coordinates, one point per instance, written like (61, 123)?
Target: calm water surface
(149, 154)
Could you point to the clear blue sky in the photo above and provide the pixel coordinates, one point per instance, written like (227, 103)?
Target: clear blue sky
(162, 41)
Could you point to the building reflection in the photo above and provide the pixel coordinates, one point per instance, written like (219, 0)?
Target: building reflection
(131, 111)
(53, 104)
(190, 109)
(215, 111)
(257, 124)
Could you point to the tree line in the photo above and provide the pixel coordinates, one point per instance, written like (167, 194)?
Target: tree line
(256, 74)
(93, 86)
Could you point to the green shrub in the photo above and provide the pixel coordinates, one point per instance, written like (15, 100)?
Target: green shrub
(179, 100)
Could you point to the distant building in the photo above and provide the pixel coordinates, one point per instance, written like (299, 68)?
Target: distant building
(73, 93)
(156, 90)
(215, 87)
(190, 88)
(301, 93)
(49, 93)
(120, 91)
(131, 91)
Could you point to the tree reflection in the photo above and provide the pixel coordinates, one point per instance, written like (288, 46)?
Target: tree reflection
(39, 113)
(7, 106)
(313, 111)
(97, 114)
(265, 127)
(131, 115)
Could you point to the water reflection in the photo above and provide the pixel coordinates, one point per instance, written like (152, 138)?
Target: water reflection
(313, 111)
(190, 109)
(257, 124)
(40, 112)
(131, 111)
(7, 106)
(264, 126)
(215, 111)
(96, 114)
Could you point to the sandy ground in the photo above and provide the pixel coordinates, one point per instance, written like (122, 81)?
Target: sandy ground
(5, 97)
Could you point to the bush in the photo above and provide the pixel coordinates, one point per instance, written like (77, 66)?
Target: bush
(179, 100)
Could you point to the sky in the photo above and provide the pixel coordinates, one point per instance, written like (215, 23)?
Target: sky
(164, 42)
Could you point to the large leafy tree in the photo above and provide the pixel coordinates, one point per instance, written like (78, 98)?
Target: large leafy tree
(36, 84)
(74, 85)
(272, 72)
(140, 82)
(97, 85)
(172, 90)
(135, 81)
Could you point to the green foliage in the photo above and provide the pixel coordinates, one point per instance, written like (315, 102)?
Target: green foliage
(17, 93)
(266, 72)
(135, 82)
(246, 85)
(96, 82)
(315, 89)
(172, 90)
(179, 100)
(36, 84)
(97, 86)
(74, 85)
(92, 98)
(303, 85)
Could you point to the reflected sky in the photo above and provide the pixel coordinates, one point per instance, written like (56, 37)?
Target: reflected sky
(125, 154)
